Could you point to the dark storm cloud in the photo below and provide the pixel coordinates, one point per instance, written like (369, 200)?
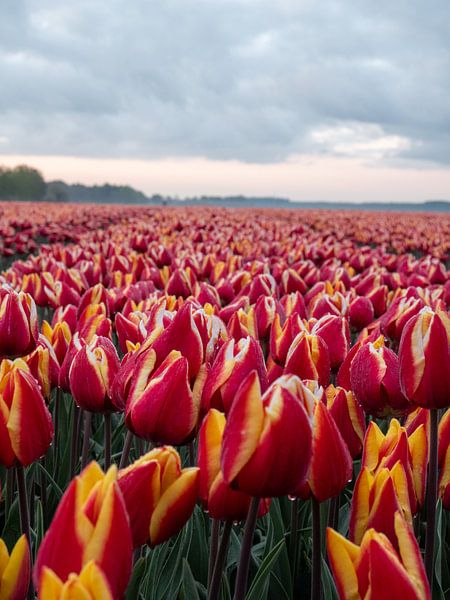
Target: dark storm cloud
(230, 79)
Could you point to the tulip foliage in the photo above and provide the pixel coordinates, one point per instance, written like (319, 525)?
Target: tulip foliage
(209, 404)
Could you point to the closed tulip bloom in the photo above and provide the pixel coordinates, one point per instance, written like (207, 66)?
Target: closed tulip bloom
(374, 377)
(399, 444)
(331, 465)
(375, 569)
(44, 366)
(18, 323)
(360, 312)
(59, 337)
(424, 357)
(267, 439)
(398, 315)
(375, 500)
(161, 406)
(90, 524)
(336, 334)
(159, 495)
(91, 374)
(90, 584)
(26, 428)
(234, 361)
(15, 570)
(308, 358)
(348, 416)
(444, 460)
(217, 497)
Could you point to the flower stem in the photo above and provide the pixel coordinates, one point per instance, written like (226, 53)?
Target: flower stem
(214, 587)
(76, 421)
(247, 541)
(86, 437)
(293, 541)
(126, 450)
(432, 495)
(107, 418)
(214, 543)
(316, 551)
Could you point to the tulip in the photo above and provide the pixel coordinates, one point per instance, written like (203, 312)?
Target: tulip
(335, 333)
(91, 374)
(15, 570)
(26, 428)
(90, 584)
(18, 323)
(221, 501)
(161, 405)
(233, 363)
(375, 381)
(90, 524)
(59, 337)
(360, 312)
(375, 569)
(348, 416)
(308, 358)
(424, 358)
(44, 366)
(376, 498)
(331, 465)
(444, 460)
(159, 495)
(267, 439)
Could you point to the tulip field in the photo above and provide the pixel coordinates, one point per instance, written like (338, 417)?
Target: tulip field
(208, 403)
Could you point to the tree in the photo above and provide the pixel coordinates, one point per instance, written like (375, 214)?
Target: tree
(21, 183)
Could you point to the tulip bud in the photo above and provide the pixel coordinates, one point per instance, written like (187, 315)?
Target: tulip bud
(267, 439)
(15, 570)
(91, 374)
(375, 569)
(308, 358)
(360, 312)
(233, 363)
(90, 584)
(18, 323)
(424, 358)
(26, 428)
(44, 366)
(348, 416)
(90, 524)
(161, 406)
(331, 465)
(217, 497)
(375, 381)
(159, 495)
(444, 460)
(59, 337)
(335, 333)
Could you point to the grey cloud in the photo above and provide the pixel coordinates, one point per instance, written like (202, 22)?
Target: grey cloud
(253, 80)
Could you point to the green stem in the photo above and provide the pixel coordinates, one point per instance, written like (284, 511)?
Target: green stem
(316, 551)
(126, 450)
(86, 438)
(293, 541)
(214, 586)
(107, 418)
(432, 495)
(246, 548)
(214, 543)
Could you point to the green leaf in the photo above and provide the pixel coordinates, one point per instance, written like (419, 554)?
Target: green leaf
(188, 586)
(136, 579)
(260, 583)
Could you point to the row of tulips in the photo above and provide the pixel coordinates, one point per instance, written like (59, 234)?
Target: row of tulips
(300, 391)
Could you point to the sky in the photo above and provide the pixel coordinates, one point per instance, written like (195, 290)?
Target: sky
(294, 98)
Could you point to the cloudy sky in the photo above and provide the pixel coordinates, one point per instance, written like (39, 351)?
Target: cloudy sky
(313, 100)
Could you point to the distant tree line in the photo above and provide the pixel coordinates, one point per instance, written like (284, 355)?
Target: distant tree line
(21, 183)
